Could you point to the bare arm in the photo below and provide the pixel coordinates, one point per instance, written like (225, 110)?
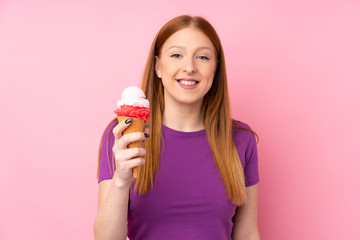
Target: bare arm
(111, 219)
(245, 219)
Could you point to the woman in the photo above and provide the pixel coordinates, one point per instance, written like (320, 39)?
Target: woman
(198, 169)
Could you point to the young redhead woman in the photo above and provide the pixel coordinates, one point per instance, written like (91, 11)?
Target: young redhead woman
(198, 168)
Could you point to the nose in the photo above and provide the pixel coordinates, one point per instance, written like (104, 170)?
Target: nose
(190, 66)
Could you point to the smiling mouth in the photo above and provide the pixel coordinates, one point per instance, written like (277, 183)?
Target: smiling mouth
(187, 82)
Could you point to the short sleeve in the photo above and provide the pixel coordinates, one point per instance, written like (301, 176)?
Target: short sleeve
(251, 162)
(245, 143)
(105, 161)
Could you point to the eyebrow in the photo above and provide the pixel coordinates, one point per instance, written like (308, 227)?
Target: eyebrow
(195, 48)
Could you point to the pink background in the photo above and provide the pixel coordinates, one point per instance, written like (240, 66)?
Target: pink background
(293, 69)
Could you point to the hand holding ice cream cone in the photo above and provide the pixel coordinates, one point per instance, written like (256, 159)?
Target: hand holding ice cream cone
(133, 104)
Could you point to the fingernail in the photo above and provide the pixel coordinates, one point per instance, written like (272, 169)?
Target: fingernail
(129, 120)
(147, 126)
(146, 135)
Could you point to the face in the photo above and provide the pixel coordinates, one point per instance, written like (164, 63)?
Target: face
(186, 66)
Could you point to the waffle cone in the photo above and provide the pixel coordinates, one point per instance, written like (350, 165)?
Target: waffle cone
(137, 125)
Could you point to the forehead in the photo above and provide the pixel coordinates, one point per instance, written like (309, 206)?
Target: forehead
(188, 38)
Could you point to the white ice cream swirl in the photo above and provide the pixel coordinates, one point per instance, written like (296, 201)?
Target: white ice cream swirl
(133, 96)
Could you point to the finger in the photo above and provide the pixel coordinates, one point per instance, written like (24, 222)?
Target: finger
(120, 127)
(126, 139)
(130, 153)
(117, 132)
(128, 165)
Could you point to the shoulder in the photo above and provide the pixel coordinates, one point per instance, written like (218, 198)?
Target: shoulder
(241, 129)
(107, 139)
(240, 125)
(110, 126)
(105, 167)
(243, 133)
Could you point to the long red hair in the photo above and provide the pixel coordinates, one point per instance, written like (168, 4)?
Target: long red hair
(215, 115)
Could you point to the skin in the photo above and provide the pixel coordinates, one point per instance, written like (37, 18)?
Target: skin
(182, 113)
(111, 219)
(245, 219)
(196, 59)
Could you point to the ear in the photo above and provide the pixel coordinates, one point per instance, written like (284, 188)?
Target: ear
(157, 67)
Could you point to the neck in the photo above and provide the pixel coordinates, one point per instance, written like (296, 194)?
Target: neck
(185, 118)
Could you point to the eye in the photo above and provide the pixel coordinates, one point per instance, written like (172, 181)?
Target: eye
(175, 55)
(203, 57)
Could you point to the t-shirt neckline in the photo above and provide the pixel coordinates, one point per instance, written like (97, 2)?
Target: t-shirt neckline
(180, 133)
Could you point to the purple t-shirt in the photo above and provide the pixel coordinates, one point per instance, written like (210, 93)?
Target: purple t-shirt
(189, 199)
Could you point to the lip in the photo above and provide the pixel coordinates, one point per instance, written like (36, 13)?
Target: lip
(187, 79)
(187, 86)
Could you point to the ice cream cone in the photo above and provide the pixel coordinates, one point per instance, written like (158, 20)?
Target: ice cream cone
(137, 125)
(133, 104)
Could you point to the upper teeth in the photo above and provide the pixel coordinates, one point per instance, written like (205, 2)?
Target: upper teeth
(187, 82)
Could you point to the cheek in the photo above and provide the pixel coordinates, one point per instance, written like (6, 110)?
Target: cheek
(209, 84)
(209, 69)
(210, 74)
(169, 68)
